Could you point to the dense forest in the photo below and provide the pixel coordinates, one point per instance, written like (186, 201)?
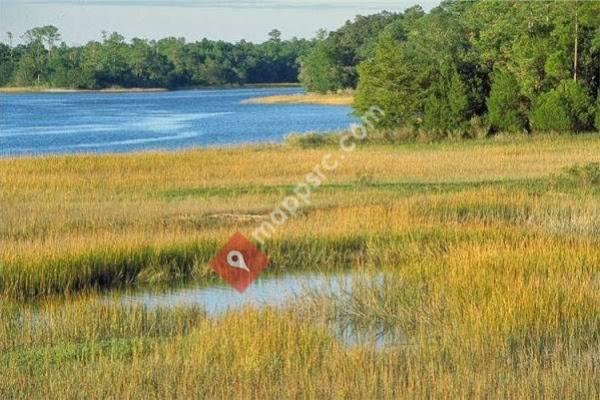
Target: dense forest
(43, 60)
(469, 68)
(463, 68)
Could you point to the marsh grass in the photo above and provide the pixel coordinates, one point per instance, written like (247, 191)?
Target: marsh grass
(341, 98)
(579, 177)
(121, 266)
(274, 353)
(485, 258)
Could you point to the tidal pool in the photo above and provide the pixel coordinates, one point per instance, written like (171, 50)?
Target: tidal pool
(278, 291)
(265, 291)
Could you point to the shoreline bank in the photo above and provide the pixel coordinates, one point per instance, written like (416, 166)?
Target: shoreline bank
(34, 89)
(67, 90)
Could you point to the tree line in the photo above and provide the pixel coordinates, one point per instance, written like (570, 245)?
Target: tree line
(469, 66)
(43, 60)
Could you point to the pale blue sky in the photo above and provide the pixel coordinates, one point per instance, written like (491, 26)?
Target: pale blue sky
(231, 20)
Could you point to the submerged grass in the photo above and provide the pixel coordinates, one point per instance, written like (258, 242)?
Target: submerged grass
(485, 257)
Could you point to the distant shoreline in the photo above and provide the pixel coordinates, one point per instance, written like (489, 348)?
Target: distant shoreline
(35, 89)
(67, 90)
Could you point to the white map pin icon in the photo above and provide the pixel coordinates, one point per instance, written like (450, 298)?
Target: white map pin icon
(235, 259)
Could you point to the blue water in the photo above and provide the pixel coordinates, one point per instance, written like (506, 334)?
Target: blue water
(274, 291)
(41, 123)
(219, 298)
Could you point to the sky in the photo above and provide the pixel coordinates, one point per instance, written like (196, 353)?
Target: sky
(82, 20)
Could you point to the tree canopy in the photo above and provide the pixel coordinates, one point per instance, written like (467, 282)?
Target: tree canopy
(520, 65)
(332, 63)
(43, 60)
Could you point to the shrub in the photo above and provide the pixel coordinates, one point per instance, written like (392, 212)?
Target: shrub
(311, 140)
(478, 127)
(566, 108)
(585, 176)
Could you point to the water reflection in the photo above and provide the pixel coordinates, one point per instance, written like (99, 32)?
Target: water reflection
(323, 295)
(268, 291)
(277, 291)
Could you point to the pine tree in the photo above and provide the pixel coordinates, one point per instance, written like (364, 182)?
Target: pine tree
(447, 106)
(503, 104)
(566, 108)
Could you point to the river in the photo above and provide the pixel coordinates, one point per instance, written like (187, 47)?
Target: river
(92, 122)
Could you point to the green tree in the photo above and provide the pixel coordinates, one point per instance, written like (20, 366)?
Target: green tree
(33, 66)
(410, 56)
(447, 107)
(333, 62)
(275, 35)
(319, 72)
(7, 65)
(550, 113)
(504, 103)
(390, 81)
(170, 62)
(148, 67)
(579, 103)
(91, 66)
(176, 52)
(47, 35)
(566, 108)
(112, 69)
(64, 67)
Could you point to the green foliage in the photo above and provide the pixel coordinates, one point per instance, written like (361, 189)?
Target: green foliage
(550, 113)
(32, 65)
(332, 63)
(579, 103)
(385, 81)
(508, 55)
(169, 63)
(504, 103)
(7, 64)
(566, 108)
(447, 106)
(311, 140)
(319, 72)
(420, 71)
(579, 177)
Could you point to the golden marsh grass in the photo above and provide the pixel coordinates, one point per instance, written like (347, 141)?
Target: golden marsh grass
(487, 257)
(307, 98)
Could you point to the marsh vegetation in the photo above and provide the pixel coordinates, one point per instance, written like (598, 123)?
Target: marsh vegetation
(487, 255)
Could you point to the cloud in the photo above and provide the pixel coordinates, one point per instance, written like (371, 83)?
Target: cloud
(237, 4)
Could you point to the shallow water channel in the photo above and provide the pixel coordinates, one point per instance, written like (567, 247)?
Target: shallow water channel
(216, 299)
(277, 291)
